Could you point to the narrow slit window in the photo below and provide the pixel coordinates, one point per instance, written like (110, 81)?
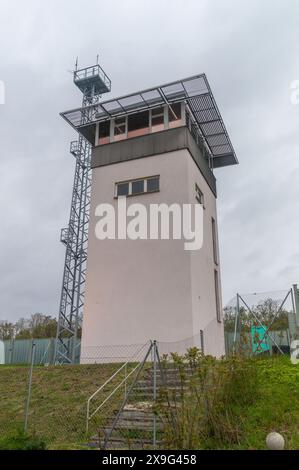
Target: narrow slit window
(217, 293)
(214, 236)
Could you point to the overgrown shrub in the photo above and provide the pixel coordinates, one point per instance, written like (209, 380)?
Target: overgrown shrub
(204, 406)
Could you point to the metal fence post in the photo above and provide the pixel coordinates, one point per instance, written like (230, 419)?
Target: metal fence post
(155, 393)
(27, 405)
(11, 350)
(236, 324)
(126, 380)
(296, 302)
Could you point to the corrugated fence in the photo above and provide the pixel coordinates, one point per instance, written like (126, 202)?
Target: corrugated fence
(18, 351)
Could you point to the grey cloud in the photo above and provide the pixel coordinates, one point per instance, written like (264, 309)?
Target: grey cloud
(247, 49)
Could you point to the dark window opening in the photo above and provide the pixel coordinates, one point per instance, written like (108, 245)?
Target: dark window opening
(138, 121)
(120, 126)
(104, 129)
(153, 184)
(138, 187)
(174, 112)
(157, 116)
(123, 189)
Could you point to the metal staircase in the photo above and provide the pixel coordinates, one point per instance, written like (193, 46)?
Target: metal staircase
(129, 420)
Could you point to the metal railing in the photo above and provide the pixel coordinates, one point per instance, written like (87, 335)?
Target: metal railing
(124, 367)
(90, 72)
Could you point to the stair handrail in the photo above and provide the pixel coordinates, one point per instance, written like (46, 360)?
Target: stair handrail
(124, 366)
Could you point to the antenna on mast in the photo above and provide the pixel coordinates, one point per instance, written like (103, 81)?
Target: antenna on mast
(76, 64)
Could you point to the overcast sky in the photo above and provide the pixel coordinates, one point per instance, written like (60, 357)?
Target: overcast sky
(249, 51)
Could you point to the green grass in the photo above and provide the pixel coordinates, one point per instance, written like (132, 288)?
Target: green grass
(20, 441)
(59, 395)
(58, 401)
(277, 406)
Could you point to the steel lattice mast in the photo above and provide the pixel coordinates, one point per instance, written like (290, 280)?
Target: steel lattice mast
(93, 82)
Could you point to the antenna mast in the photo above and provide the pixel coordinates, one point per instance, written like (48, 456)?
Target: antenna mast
(93, 82)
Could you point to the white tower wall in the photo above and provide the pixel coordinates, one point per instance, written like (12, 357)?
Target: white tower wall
(151, 289)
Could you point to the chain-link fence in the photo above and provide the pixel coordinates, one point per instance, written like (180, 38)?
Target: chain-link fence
(107, 401)
(260, 323)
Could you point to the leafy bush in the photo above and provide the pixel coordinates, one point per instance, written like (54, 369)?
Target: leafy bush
(204, 407)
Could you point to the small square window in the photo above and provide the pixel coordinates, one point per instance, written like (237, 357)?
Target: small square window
(138, 187)
(153, 184)
(199, 195)
(122, 189)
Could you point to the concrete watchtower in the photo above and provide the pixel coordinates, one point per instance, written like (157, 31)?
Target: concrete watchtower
(156, 146)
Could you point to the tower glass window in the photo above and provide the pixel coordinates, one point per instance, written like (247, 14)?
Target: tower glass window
(120, 125)
(104, 132)
(175, 115)
(157, 121)
(138, 124)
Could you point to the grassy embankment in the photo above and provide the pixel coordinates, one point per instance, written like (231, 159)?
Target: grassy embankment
(59, 395)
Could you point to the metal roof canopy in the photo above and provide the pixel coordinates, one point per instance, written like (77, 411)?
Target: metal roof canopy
(195, 91)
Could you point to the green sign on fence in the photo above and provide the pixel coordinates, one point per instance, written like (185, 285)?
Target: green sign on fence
(260, 340)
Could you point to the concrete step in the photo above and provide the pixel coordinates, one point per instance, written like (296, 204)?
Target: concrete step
(119, 443)
(127, 426)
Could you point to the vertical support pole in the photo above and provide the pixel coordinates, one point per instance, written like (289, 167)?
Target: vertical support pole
(111, 138)
(202, 344)
(96, 140)
(29, 387)
(183, 112)
(155, 393)
(296, 302)
(236, 323)
(126, 380)
(166, 118)
(11, 350)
